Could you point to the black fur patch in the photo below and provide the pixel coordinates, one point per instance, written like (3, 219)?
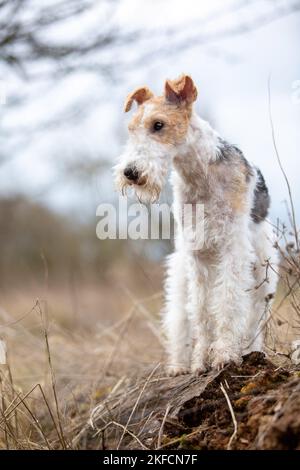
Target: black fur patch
(227, 152)
(261, 202)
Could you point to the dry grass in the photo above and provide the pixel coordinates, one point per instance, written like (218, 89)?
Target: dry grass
(61, 362)
(72, 352)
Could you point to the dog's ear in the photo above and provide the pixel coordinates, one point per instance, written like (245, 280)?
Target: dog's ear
(181, 90)
(140, 96)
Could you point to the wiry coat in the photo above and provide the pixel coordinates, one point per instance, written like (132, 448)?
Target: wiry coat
(218, 296)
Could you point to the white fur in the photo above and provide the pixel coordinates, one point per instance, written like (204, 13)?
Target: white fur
(152, 161)
(216, 304)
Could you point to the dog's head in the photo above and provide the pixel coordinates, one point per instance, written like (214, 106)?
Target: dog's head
(158, 127)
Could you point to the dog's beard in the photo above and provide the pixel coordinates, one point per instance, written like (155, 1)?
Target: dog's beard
(148, 191)
(152, 177)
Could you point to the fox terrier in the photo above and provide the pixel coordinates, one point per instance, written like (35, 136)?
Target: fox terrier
(217, 297)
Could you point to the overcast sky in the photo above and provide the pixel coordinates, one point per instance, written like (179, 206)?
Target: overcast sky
(231, 75)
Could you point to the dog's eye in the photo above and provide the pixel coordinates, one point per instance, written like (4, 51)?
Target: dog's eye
(158, 125)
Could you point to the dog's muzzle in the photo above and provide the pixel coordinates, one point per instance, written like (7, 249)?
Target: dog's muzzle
(132, 174)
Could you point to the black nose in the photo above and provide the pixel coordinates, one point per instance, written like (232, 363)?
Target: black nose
(131, 173)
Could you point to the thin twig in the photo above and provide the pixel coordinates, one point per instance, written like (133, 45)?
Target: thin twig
(11, 382)
(3, 411)
(36, 422)
(161, 430)
(8, 412)
(137, 402)
(7, 325)
(178, 439)
(53, 381)
(233, 436)
(281, 166)
(49, 410)
(125, 430)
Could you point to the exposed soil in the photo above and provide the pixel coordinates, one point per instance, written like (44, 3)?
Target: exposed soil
(199, 413)
(265, 401)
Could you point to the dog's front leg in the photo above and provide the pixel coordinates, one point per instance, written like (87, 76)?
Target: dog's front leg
(230, 303)
(175, 322)
(197, 313)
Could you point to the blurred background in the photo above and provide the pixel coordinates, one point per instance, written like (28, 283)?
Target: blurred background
(66, 67)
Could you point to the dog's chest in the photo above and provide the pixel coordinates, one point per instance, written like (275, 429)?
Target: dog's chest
(208, 219)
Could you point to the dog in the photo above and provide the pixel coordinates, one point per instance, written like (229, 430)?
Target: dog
(218, 297)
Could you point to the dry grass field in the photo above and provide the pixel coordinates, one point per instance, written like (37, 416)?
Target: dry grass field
(84, 369)
(67, 348)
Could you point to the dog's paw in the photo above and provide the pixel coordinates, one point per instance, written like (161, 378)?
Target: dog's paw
(221, 358)
(174, 371)
(198, 369)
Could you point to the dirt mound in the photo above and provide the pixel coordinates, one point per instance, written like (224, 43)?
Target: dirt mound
(252, 406)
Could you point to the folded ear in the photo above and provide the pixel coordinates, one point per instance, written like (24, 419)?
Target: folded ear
(181, 90)
(140, 96)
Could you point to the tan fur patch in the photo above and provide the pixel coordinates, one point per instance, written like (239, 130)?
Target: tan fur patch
(238, 190)
(181, 90)
(174, 109)
(175, 119)
(237, 200)
(234, 180)
(140, 96)
(137, 119)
